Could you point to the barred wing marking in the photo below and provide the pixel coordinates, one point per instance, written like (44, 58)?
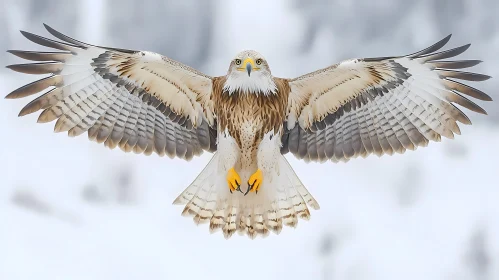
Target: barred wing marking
(139, 101)
(379, 105)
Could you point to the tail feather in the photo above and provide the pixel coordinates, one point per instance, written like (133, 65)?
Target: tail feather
(252, 222)
(259, 222)
(305, 195)
(286, 209)
(281, 200)
(230, 225)
(273, 220)
(245, 223)
(217, 221)
(188, 194)
(207, 206)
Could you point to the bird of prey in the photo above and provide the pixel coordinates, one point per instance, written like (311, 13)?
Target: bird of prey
(249, 119)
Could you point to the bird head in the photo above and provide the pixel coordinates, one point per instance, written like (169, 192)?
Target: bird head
(249, 73)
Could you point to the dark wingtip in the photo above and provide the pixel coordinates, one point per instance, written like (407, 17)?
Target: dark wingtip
(30, 36)
(446, 39)
(12, 95)
(463, 48)
(13, 52)
(66, 38)
(25, 33)
(466, 47)
(13, 67)
(49, 29)
(480, 110)
(23, 113)
(431, 49)
(486, 77)
(487, 98)
(443, 42)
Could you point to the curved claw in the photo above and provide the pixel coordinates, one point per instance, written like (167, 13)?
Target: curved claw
(250, 187)
(238, 188)
(257, 179)
(233, 180)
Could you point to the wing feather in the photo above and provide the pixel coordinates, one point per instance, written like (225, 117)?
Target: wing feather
(42, 56)
(136, 100)
(381, 105)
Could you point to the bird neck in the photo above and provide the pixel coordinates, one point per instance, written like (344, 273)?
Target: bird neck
(254, 84)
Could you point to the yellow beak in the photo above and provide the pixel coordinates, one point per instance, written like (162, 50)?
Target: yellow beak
(248, 65)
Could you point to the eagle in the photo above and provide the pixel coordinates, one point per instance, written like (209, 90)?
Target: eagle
(144, 102)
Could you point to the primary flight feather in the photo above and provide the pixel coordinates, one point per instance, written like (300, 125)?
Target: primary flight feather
(145, 102)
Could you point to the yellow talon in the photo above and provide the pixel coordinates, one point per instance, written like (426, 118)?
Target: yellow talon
(233, 180)
(255, 181)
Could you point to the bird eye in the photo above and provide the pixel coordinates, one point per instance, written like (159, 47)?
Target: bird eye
(238, 61)
(258, 61)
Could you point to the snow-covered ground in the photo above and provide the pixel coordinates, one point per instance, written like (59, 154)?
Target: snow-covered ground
(429, 214)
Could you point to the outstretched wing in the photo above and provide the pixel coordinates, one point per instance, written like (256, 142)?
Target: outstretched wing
(379, 105)
(140, 101)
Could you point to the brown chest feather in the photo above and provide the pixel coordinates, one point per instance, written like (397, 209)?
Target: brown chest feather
(241, 112)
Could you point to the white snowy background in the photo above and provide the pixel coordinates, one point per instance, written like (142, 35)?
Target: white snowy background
(73, 209)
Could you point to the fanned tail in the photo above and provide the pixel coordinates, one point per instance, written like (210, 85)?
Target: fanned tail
(281, 200)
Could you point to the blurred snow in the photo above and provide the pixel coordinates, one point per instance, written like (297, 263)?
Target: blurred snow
(73, 209)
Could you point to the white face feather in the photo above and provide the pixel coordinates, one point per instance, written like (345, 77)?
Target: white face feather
(260, 81)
